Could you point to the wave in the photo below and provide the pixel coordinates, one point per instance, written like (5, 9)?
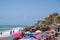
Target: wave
(6, 33)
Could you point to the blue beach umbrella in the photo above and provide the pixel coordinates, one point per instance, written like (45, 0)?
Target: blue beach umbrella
(30, 36)
(43, 34)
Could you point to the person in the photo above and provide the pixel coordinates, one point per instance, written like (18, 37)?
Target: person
(52, 37)
(10, 32)
(48, 36)
(44, 38)
(58, 38)
(1, 33)
(56, 34)
(11, 37)
(13, 31)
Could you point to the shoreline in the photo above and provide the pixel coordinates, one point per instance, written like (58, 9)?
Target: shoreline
(7, 32)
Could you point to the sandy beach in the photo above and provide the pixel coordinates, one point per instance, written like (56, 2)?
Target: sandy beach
(4, 38)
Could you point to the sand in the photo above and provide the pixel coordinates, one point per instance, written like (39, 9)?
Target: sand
(5, 38)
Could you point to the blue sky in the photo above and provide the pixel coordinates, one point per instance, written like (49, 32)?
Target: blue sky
(26, 12)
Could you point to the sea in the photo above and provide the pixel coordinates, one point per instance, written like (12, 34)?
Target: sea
(9, 27)
(5, 29)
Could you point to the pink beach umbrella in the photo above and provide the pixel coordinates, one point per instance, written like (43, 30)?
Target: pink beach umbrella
(17, 35)
(53, 30)
(50, 31)
(38, 37)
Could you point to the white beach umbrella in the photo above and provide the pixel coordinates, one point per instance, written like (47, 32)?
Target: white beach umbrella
(28, 32)
(38, 31)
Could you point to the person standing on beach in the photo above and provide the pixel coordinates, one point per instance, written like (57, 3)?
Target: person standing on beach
(11, 35)
(13, 31)
(1, 33)
(10, 32)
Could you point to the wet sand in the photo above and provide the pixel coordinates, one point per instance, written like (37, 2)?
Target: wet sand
(5, 38)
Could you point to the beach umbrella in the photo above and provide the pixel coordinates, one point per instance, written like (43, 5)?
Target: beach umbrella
(50, 31)
(29, 36)
(17, 35)
(43, 35)
(29, 39)
(38, 37)
(58, 24)
(28, 32)
(34, 33)
(38, 31)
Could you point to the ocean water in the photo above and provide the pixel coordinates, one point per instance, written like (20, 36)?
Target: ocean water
(9, 27)
(5, 29)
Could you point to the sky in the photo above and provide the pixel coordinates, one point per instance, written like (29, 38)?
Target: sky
(26, 12)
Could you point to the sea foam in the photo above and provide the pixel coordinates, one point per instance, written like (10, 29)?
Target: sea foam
(7, 32)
